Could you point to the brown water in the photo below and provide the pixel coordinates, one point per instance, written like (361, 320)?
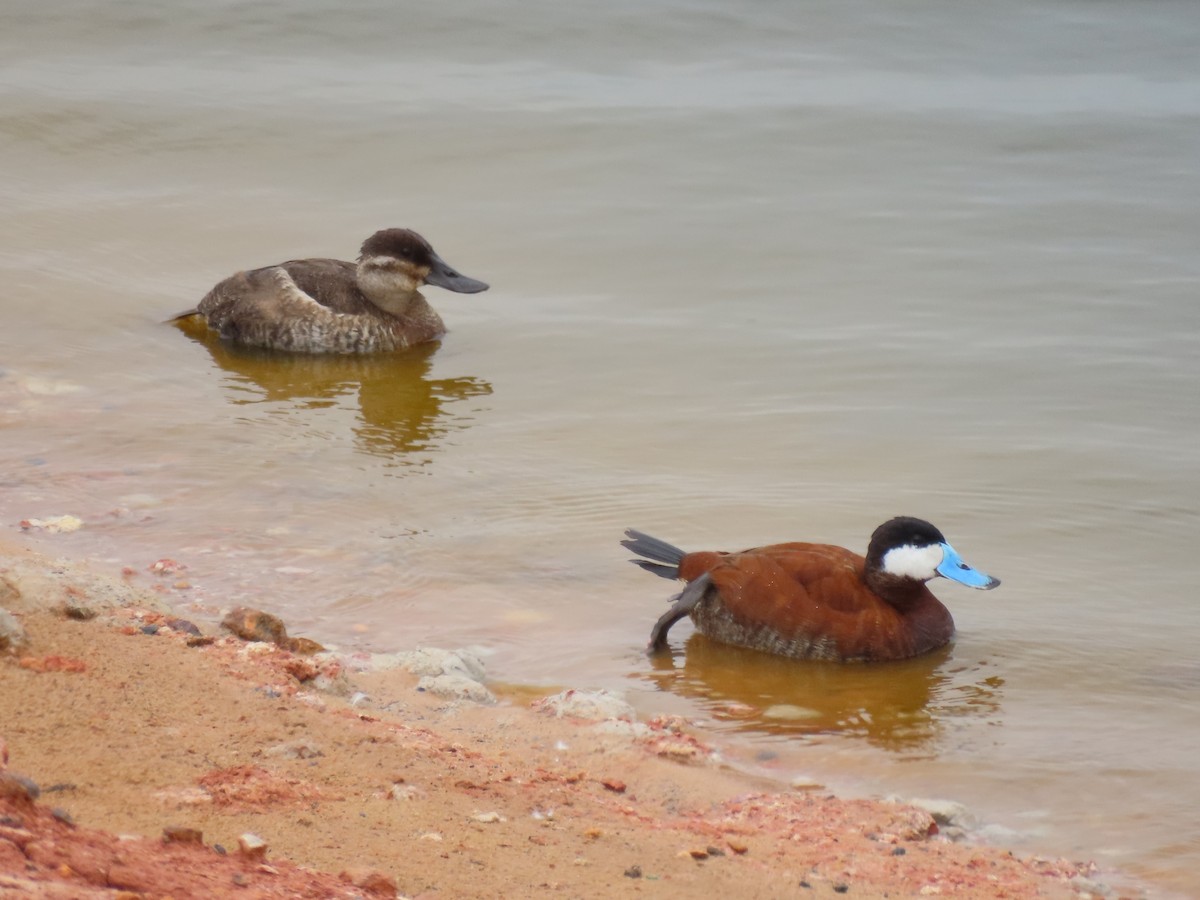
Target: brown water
(758, 275)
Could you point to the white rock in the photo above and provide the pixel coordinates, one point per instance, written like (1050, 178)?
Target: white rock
(456, 687)
(12, 633)
(944, 812)
(54, 525)
(592, 705)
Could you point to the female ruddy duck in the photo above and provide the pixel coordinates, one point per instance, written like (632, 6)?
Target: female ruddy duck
(816, 601)
(331, 306)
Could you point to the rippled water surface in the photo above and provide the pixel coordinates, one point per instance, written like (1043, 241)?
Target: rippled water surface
(758, 274)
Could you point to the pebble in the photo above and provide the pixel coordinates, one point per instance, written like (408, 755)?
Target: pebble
(53, 525)
(18, 788)
(80, 612)
(488, 817)
(183, 625)
(255, 625)
(12, 633)
(250, 844)
(63, 816)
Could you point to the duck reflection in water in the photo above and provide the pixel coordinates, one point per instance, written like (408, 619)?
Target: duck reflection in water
(900, 706)
(402, 412)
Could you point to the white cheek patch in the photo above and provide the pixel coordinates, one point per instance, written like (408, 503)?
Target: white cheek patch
(908, 561)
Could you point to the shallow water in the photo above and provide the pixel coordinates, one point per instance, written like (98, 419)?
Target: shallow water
(758, 275)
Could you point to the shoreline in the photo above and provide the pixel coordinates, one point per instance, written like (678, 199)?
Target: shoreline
(399, 781)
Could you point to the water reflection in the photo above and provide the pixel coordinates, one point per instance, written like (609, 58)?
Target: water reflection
(899, 706)
(401, 411)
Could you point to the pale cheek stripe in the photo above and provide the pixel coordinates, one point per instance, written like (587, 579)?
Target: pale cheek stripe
(913, 562)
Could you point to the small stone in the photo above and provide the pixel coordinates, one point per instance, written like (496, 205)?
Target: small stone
(202, 641)
(53, 525)
(633, 872)
(898, 851)
(255, 625)
(303, 646)
(183, 625)
(18, 788)
(80, 612)
(149, 629)
(841, 888)
(12, 633)
(697, 853)
(181, 834)
(488, 817)
(715, 851)
(616, 785)
(63, 816)
(252, 845)
(737, 846)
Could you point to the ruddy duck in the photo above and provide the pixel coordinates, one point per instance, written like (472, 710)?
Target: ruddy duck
(331, 306)
(816, 601)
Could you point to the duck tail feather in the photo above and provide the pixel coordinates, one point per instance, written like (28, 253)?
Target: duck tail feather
(662, 571)
(655, 550)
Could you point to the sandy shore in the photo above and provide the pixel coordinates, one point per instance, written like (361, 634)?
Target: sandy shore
(361, 780)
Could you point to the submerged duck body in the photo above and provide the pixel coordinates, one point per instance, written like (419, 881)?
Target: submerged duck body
(333, 306)
(816, 601)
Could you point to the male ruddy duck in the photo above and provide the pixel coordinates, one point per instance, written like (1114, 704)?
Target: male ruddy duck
(331, 306)
(816, 601)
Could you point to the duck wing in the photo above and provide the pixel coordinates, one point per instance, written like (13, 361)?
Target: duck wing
(330, 282)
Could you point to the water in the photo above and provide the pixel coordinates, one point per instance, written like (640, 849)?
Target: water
(758, 274)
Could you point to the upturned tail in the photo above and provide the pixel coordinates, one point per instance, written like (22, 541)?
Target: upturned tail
(659, 557)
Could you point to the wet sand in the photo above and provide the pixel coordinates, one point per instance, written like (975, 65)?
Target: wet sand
(398, 792)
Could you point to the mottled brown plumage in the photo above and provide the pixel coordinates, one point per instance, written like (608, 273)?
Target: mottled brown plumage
(331, 306)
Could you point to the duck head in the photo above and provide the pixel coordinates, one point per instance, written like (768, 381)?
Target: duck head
(908, 550)
(395, 262)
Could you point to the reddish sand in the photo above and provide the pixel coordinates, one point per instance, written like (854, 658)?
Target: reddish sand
(131, 735)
